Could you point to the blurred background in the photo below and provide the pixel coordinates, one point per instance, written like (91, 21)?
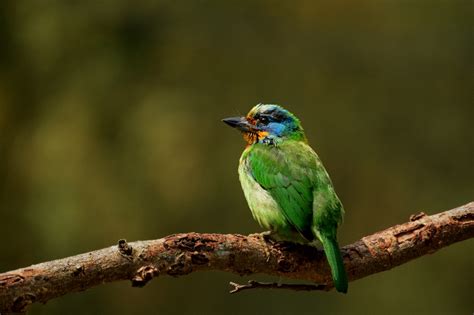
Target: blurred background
(110, 128)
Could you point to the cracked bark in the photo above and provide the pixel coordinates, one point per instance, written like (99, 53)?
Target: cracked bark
(181, 254)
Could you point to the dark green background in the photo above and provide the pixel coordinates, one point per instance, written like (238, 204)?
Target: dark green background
(110, 128)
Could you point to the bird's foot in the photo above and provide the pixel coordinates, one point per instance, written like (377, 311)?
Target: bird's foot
(266, 237)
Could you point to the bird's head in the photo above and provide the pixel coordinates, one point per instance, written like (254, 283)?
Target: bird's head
(268, 124)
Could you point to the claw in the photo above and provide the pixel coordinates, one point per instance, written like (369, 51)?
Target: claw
(266, 237)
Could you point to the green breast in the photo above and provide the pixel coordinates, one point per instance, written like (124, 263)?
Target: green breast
(264, 208)
(263, 205)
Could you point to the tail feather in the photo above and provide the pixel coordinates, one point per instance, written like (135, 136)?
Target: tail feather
(334, 257)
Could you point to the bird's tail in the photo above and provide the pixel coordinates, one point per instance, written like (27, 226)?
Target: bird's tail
(333, 255)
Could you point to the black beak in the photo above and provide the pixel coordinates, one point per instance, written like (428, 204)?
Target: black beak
(239, 123)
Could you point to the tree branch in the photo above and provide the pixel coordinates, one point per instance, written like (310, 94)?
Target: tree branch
(181, 254)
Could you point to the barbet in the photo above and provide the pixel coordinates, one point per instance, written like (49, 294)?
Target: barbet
(286, 186)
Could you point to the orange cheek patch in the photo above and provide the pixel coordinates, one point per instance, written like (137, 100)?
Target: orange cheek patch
(249, 137)
(262, 134)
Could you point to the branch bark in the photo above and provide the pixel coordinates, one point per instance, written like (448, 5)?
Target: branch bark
(181, 254)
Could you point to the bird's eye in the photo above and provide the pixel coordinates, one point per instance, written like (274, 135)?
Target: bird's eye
(263, 120)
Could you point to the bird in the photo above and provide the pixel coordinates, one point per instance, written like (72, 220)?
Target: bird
(287, 188)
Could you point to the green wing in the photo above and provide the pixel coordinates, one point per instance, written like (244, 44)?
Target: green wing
(289, 173)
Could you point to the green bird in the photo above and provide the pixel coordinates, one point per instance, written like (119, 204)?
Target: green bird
(286, 186)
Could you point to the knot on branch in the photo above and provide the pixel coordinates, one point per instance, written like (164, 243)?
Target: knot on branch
(78, 270)
(143, 275)
(125, 249)
(417, 216)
